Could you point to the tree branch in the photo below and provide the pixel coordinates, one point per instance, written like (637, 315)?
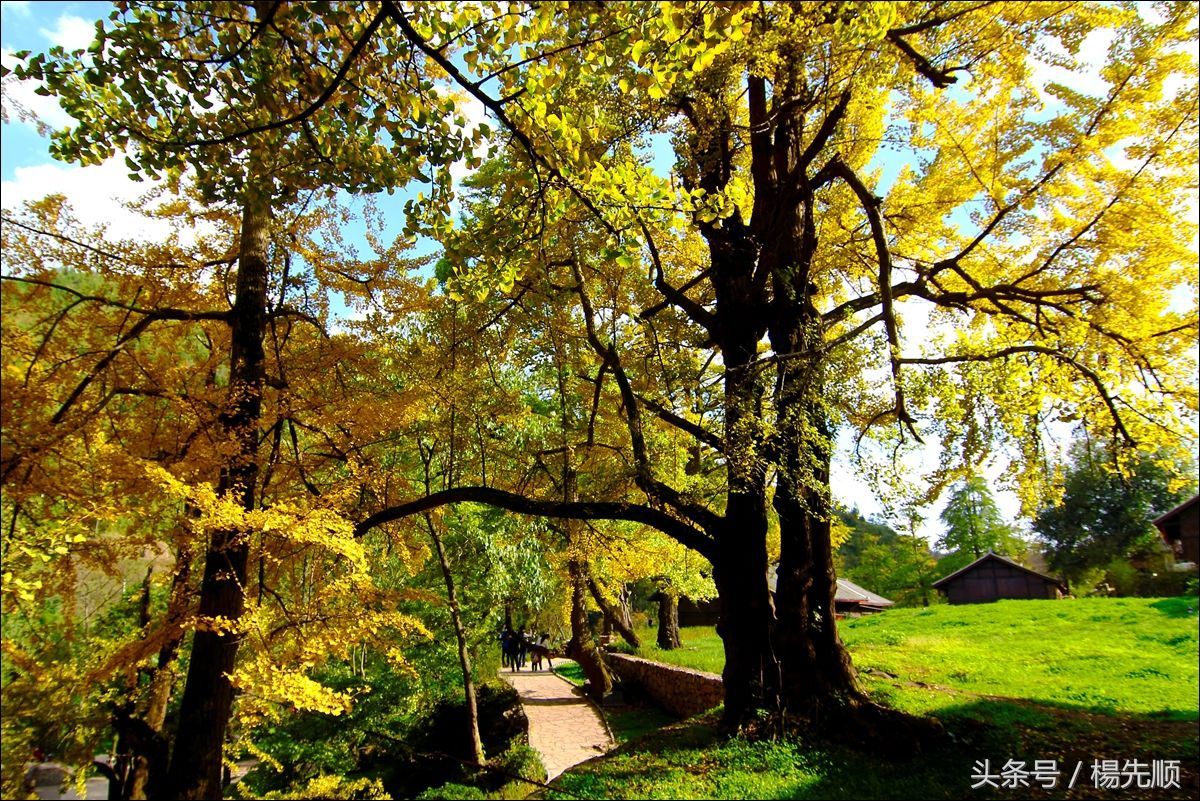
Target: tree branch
(682, 532)
(162, 313)
(644, 475)
(870, 205)
(1090, 374)
(699, 432)
(493, 105)
(697, 313)
(308, 111)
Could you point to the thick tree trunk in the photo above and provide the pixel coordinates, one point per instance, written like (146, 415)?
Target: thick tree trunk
(464, 657)
(207, 702)
(817, 673)
(582, 648)
(668, 621)
(751, 674)
(816, 669)
(617, 617)
(818, 684)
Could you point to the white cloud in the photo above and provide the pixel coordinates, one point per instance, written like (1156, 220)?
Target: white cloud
(474, 113)
(1086, 79)
(70, 32)
(97, 195)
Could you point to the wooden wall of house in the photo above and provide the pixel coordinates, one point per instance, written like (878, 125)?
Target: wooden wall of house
(994, 580)
(1185, 527)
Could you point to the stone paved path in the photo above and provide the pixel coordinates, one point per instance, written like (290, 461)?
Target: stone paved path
(564, 727)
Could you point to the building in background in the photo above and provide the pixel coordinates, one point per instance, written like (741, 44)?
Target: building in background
(992, 577)
(1180, 529)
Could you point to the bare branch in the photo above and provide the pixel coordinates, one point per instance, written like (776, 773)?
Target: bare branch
(682, 532)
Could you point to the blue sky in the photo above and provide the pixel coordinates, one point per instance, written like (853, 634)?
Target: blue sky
(38, 26)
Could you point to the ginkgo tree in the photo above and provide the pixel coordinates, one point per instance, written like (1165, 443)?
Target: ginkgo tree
(110, 441)
(1015, 265)
(1021, 268)
(202, 89)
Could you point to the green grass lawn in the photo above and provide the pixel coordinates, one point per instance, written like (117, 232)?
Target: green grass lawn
(571, 671)
(1067, 680)
(1104, 655)
(701, 649)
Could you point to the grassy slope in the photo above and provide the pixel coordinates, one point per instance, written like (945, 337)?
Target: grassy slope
(1067, 680)
(701, 649)
(1104, 655)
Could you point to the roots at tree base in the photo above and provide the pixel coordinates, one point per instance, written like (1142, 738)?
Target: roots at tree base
(851, 719)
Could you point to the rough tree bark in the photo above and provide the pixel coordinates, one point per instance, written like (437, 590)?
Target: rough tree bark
(195, 767)
(668, 620)
(582, 648)
(751, 673)
(818, 681)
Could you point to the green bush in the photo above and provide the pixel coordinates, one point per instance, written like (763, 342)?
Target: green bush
(521, 761)
(335, 787)
(452, 792)
(1163, 585)
(1123, 577)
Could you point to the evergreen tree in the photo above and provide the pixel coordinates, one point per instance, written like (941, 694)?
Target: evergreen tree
(973, 522)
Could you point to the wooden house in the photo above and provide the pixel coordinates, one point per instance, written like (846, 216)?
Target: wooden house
(852, 600)
(1180, 529)
(992, 577)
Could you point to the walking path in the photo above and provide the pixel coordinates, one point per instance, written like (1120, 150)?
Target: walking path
(564, 727)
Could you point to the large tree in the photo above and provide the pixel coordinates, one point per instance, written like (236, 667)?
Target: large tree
(778, 246)
(258, 104)
(1109, 500)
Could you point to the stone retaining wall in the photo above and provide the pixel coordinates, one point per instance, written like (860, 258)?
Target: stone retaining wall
(680, 690)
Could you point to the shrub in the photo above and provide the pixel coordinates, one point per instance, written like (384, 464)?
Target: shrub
(335, 787)
(452, 792)
(521, 761)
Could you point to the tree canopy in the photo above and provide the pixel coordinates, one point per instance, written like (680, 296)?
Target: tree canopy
(707, 239)
(1108, 505)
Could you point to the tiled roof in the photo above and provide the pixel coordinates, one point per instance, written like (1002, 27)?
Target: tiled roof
(847, 591)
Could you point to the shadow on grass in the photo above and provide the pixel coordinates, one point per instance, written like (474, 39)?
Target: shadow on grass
(1182, 607)
(691, 760)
